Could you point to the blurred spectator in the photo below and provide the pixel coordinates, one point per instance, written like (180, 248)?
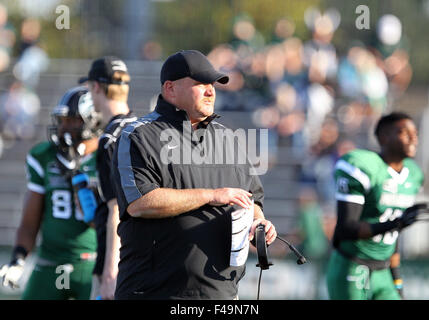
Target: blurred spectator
(32, 59)
(32, 62)
(246, 38)
(30, 33)
(323, 154)
(19, 109)
(319, 165)
(284, 28)
(352, 117)
(348, 76)
(285, 64)
(229, 96)
(244, 59)
(365, 87)
(151, 50)
(292, 116)
(314, 243)
(7, 38)
(257, 88)
(320, 54)
(320, 104)
(390, 47)
(20, 105)
(295, 71)
(374, 82)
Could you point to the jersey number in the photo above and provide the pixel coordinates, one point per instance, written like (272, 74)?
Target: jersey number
(388, 237)
(62, 205)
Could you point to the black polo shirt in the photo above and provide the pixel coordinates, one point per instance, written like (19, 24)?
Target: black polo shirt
(106, 145)
(185, 256)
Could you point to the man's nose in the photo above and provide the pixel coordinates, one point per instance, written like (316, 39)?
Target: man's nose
(210, 90)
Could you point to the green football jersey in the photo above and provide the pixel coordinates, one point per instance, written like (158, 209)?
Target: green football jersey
(65, 237)
(363, 177)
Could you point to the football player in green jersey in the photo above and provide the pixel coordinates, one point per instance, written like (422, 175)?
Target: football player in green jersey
(66, 255)
(375, 201)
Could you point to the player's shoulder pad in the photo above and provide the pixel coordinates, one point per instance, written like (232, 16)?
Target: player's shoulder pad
(113, 130)
(365, 160)
(360, 164)
(41, 149)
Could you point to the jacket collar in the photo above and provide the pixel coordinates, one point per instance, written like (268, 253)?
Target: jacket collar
(170, 111)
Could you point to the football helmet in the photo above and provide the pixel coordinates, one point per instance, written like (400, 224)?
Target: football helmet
(76, 102)
(74, 120)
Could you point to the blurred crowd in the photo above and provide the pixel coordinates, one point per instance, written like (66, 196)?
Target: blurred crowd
(21, 54)
(316, 101)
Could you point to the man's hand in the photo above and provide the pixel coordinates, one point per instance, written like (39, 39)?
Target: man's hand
(11, 273)
(270, 230)
(231, 196)
(107, 287)
(410, 215)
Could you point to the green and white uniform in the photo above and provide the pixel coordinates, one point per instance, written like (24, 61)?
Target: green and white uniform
(66, 240)
(363, 177)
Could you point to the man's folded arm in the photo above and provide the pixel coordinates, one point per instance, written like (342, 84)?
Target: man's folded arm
(166, 202)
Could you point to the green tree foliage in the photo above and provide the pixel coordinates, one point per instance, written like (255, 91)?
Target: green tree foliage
(202, 24)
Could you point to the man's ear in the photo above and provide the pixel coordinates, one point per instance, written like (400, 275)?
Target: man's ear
(168, 89)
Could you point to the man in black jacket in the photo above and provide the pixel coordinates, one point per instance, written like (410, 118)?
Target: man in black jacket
(178, 209)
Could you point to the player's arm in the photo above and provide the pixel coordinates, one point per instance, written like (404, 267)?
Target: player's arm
(30, 221)
(348, 225)
(350, 228)
(166, 202)
(25, 238)
(113, 243)
(352, 185)
(395, 263)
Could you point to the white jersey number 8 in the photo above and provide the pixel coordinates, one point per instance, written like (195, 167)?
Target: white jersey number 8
(62, 205)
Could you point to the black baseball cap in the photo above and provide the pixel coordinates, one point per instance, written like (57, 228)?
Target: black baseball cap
(193, 64)
(102, 70)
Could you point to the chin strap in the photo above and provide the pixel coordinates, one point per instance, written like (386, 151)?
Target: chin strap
(262, 252)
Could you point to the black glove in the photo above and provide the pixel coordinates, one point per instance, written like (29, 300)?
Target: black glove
(410, 215)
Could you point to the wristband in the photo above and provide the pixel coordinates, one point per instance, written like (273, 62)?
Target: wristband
(397, 279)
(398, 283)
(19, 253)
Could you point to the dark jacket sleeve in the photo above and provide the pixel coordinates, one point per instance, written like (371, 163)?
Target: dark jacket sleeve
(104, 167)
(257, 191)
(135, 173)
